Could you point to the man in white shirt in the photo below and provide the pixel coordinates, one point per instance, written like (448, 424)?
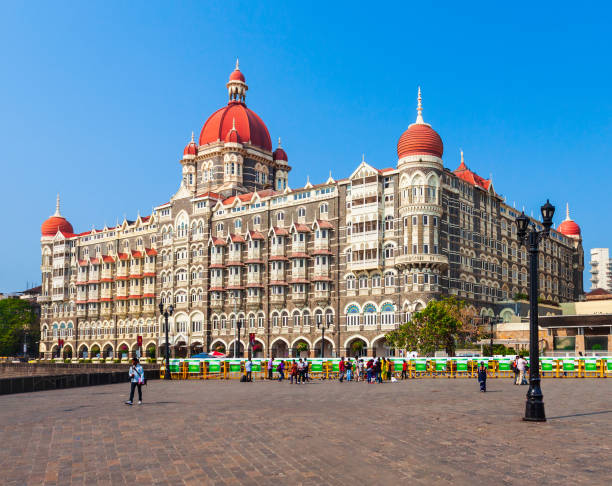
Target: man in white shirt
(522, 366)
(248, 367)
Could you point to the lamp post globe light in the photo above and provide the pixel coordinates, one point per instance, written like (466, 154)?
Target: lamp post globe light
(530, 236)
(166, 313)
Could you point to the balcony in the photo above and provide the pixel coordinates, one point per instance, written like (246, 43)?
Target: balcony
(149, 268)
(299, 297)
(254, 254)
(278, 275)
(277, 250)
(234, 256)
(298, 247)
(254, 278)
(298, 273)
(321, 244)
(321, 295)
(363, 264)
(253, 300)
(216, 258)
(321, 271)
(432, 260)
(216, 282)
(277, 299)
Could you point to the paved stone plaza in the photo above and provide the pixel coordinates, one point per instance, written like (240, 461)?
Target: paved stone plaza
(433, 431)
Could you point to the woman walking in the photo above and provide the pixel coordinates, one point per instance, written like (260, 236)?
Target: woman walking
(136, 374)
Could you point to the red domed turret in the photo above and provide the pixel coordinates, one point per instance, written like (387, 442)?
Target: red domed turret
(569, 227)
(56, 222)
(420, 138)
(191, 149)
(248, 126)
(279, 153)
(237, 75)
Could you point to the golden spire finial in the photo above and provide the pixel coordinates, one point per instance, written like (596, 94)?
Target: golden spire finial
(192, 136)
(567, 216)
(237, 65)
(462, 161)
(279, 142)
(419, 118)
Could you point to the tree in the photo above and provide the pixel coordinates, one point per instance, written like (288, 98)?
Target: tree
(16, 316)
(439, 325)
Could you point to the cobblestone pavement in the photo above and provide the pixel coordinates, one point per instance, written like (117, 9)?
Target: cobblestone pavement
(431, 431)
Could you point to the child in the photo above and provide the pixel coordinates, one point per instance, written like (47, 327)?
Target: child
(482, 377)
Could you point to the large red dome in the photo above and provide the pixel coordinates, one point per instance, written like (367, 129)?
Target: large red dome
(54, 223)
(249, 126)
(420, 139)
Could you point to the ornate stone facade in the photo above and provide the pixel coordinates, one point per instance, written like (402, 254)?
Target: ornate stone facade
(236, 243)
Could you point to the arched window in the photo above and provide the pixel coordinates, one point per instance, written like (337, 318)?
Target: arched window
(352, 315)
(363, 282)
(324, 209)
(387, 315)
(376, 280)
(389, 251)
(301, 213)
(350, 282)
(389, 279)
(369, 315)
(280, 217)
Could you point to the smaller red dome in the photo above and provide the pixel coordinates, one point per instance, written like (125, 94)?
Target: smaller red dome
(280, 154)
(55, 223)
(569, 227)
(237, 76)
(420, 139)
(191, 149)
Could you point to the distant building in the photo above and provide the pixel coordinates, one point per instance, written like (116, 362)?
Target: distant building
(601, 269)
(236, 243)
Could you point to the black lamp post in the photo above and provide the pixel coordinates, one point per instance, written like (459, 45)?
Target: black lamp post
(237, 342)
(166, 313)
(322, 325)
(529, 235)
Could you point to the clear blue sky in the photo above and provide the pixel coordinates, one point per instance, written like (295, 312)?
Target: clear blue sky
(99, 99)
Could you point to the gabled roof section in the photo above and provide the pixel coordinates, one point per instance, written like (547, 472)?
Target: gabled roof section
(275, 230)
(300, 228)
(471, 177)
(322, 224)
(364, 170)
(213, 240)
(255, 235)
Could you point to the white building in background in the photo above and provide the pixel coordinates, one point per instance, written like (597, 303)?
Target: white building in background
(601, 269)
